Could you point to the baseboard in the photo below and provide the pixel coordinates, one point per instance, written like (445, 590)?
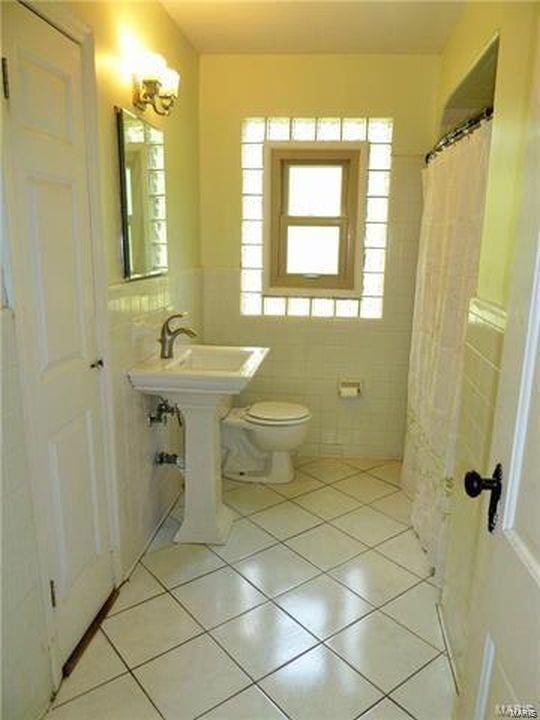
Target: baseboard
(137, 560)
(448, 647)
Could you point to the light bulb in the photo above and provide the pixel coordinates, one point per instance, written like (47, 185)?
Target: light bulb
(170, 81)
(152, 67)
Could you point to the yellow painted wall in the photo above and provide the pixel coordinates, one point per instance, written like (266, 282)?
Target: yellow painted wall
(479, 24)
(155, 30)
(233, 87)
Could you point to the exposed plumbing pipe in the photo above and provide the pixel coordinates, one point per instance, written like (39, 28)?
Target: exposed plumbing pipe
(163, 458)
(163, 409)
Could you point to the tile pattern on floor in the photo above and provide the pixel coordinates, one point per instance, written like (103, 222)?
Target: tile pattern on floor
(317, 607)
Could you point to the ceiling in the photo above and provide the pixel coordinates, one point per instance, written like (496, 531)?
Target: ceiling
(305, 26)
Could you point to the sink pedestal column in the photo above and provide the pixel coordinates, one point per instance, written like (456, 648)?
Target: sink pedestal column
(206, 518)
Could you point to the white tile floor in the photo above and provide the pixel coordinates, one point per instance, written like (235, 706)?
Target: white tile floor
(317, 608)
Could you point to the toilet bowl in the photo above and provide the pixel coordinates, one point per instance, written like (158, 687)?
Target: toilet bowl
(257, 441)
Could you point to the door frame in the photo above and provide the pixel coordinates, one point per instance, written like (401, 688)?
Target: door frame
(69, 25)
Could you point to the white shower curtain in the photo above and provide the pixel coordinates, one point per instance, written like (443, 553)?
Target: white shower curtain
(454, 194)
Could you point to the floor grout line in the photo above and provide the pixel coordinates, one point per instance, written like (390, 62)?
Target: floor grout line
(268, 600)
(57, 705)
(274, 599)
(148, 696)
(253, 685)
(131, 607)
(330, 522)
(418, 670)
(271, 599)
(199, 635)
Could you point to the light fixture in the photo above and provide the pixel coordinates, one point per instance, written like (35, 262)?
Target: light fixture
(154, 83)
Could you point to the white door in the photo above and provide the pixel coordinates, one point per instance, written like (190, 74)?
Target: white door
(503, 656)
(53, 299)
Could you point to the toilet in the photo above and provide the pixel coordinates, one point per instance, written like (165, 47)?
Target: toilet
(257, 441)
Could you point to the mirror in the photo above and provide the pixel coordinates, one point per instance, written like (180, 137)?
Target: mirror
(142, 193)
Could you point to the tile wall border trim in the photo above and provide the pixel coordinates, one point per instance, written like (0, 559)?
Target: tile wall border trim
(487, 312)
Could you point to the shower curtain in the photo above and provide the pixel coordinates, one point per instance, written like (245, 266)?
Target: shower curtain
(454, 194)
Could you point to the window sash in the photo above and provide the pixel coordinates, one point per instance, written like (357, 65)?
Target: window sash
(282, 160)
(287, 221)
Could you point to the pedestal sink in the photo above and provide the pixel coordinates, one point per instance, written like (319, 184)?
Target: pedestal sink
(200, 382)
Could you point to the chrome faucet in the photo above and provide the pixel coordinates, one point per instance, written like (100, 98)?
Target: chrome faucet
(168, 335)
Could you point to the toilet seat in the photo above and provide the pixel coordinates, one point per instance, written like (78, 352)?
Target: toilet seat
(276, 413)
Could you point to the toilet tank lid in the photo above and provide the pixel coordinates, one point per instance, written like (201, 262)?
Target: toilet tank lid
(277, 411)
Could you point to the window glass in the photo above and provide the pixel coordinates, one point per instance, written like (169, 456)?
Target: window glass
(373, 284)
(354, 129)
(375, 235)
(380, 130)
(253, 130)
(252, 182)
(252, 156)
(377, 209)
(379, 183)
(313, 250)
(373, 260)
(322, 307)
(252, 207)
(303, 129)
(380, 157)
(251, 303)
(279, 128)
(274, 306)
(347, 308)
(315, 190)
(313, 218)
(252, 232)
(252, 257)
(328, 129)
(298, 306)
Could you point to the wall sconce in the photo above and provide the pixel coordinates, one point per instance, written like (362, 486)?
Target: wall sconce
(154, 84)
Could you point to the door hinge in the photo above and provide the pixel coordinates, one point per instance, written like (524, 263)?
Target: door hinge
(53, 593)
(5, 77)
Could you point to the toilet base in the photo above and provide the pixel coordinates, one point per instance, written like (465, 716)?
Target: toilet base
(281, 471)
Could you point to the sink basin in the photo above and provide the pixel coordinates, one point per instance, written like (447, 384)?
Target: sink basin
(200, 369)
(200, 381)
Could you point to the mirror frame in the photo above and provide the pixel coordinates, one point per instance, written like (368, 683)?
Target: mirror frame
(128, 273)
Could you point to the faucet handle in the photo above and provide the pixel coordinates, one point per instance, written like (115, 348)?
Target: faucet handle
(182, 314)
(176, 316)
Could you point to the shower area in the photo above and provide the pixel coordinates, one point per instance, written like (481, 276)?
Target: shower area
(454, 188)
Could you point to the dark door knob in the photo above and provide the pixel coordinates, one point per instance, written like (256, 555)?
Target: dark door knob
(97, 364)
(475, 483)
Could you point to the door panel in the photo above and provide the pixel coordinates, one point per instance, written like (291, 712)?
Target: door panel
(46, 96)
(53, 245)
(527, 500)
(75, 493)
(51, 252)
(503, 655)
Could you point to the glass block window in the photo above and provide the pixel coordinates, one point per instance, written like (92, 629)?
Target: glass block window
(377, 132)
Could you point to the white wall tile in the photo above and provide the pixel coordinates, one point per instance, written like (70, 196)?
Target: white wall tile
(136, 312)
(482, 358)
(309, 355)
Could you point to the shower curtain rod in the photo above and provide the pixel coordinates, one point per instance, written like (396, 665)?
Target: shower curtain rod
(459, 132)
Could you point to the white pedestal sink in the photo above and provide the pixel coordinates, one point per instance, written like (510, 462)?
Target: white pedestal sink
(200, 382)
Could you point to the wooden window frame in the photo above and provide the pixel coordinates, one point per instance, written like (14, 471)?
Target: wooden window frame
(351, 161)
